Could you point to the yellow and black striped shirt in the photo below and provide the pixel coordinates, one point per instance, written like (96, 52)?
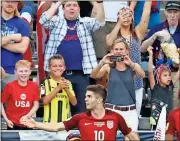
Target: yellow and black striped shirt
(58, 109)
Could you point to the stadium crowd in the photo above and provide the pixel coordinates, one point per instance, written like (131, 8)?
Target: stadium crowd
(77, 47)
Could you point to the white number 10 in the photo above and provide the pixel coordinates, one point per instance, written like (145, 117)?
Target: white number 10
(99, 135)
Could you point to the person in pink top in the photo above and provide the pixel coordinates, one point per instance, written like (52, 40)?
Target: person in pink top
(21, 97)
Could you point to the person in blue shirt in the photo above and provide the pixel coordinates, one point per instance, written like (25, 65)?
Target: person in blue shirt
(167, 31)
(71, 37)
(137, 6)
(15, 38)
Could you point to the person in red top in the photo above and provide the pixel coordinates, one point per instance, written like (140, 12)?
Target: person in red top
(95, 124)
(173, 123)
(21, 97)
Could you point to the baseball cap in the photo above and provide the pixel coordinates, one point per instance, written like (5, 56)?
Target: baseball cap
(172, 5)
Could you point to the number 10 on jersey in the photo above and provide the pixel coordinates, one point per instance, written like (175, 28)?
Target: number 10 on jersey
(99, 135)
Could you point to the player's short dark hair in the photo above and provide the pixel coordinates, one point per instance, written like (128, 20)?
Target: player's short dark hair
(98, 90)
(57, 56)
(70, 0)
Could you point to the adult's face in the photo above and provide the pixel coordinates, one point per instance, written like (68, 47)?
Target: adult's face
(71, 10)
(119, 49)
(125, 16)
(172, 17)
(91, 100)
(9, 6)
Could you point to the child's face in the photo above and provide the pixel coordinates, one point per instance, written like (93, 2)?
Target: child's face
(56, 67)
(165, 78)
(23, 73)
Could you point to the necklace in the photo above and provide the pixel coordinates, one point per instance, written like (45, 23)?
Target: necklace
(72, 28)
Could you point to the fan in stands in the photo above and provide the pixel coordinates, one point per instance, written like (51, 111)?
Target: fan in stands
(73, 137)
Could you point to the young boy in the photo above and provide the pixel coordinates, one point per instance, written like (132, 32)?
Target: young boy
(57, 92)
(21, 97)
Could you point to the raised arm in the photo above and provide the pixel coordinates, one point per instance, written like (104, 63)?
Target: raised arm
(135, 67)
(162, 36)
(98, 11)
(133, 5)
(150, 68)
(52, 10)
(48, 18)
(45, 5)
(102, 68)
(138, 70)
(176, 77)
(141, 28)
(110, 38)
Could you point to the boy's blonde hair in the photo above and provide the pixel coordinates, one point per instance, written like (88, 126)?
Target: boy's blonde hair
(23, 63)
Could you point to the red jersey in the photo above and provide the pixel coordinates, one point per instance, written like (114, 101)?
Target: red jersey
(19, 99)
(98, 129)
(174, 122)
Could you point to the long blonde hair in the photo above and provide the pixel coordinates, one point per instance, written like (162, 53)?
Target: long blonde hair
(16, 13)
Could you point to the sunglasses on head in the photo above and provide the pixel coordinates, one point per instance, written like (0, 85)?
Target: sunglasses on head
(125, 10)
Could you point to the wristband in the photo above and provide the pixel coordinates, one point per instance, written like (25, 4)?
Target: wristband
(133, 66)
(99, 1)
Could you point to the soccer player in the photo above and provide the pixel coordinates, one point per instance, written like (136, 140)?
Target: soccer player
(57, 92)
(95, 124)
(173, 123)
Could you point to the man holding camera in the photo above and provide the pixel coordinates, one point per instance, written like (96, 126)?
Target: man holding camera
(121, 91)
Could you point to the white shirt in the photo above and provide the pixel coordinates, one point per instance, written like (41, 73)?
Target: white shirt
(111, 8)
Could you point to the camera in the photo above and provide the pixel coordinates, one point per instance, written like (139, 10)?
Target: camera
(117, 58)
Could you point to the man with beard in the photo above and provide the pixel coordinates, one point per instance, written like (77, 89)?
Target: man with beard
(15, 38)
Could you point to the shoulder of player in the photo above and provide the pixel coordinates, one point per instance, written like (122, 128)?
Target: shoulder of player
(109, 112)
(175, 111)
(79, 116)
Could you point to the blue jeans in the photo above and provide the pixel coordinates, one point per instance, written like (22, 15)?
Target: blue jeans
(79, 81)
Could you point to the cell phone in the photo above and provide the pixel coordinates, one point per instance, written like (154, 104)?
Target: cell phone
(117, 58)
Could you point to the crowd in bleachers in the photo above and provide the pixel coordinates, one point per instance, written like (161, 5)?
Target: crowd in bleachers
(102, 44)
